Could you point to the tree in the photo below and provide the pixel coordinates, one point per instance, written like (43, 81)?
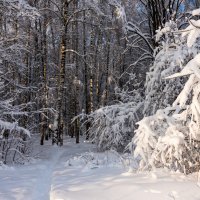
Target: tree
(15, 90)
(171, 137)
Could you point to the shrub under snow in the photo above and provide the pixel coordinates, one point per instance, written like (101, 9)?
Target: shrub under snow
(112, 127)
(13, 142)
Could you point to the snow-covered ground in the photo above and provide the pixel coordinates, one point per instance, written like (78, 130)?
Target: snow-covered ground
(74, 172)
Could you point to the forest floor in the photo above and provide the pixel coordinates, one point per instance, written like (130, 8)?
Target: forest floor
(76, 172)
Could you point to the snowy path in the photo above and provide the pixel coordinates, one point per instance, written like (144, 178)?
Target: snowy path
(55, 178)
(43, 184)
(59, 156)
(34, 182)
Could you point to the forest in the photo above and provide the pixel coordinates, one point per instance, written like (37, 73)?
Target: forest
(103, 79)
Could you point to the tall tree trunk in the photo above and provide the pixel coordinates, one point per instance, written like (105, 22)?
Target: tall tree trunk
(77, 87)
(44, 121)
(106, 90)
(86, 96)
(61, 89)
(92, 68)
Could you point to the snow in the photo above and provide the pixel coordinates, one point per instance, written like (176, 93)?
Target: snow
(13, 126)
(74, 172)
(192, 67)
(196, 12)
(192, 32)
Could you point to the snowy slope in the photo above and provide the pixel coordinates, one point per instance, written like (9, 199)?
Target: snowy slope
(69, 173)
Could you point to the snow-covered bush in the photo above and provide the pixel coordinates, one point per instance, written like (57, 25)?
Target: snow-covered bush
(107, 159)
(161, 140)
(171, 137)
(14, 136)
(112, 127)
(13, 142)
